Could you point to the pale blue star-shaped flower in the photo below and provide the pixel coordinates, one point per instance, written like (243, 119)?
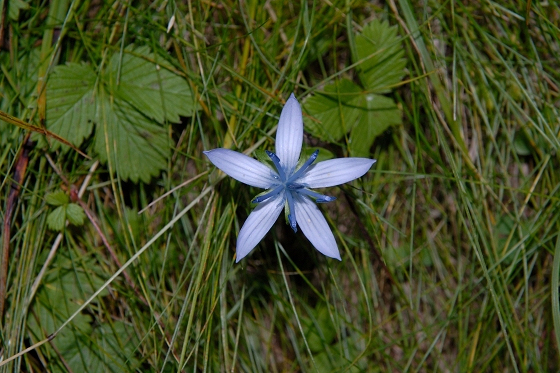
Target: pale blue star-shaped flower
(288, 185)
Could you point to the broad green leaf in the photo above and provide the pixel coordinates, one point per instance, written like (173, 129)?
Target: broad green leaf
(53, 306)
(326, 362)
(57, 218)
(330, 116)
(14, 7)
(118, 343)
(27, 72)
(336, 357)
(521, 143)
(264, 158)
(319, 331)
(323, 155)
(344, 107)
(63, 291)
(71, 211)
(75, 214)
(380, 56)
(504, 243)
(70, 102)
(137, 147)
(376, 114)
(151, 88)
(525, 142)
(127, 103)
(106, 347)
(57, 198)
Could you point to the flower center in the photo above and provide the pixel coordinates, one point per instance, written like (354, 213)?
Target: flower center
(293, 190)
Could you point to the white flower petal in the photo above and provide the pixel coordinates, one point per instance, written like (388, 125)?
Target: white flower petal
(335, 172)
(241, 167)
(257, 224)
(315, 227)
(289, 135)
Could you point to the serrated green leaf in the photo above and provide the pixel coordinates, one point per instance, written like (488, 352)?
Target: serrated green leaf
(71, 211)
(83, 347)
(57, 198)
(151, 88)
(330, 115)
(57, 218)
(380, 56)
(138, 147)
(106, 348)
(71, 106)
(344, 107)
(376, 113)
(75, 214)
(125, 102)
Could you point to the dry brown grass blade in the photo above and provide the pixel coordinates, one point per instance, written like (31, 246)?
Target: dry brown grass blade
(29, 127)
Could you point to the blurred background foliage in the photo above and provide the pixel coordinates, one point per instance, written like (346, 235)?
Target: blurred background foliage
(451, 257)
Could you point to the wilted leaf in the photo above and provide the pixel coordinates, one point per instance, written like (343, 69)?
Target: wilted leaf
(380, 53)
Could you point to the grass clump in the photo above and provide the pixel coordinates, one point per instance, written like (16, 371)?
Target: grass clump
(451, 258)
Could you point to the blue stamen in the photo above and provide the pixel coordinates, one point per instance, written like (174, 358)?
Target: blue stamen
(291, 186)
(305, 166)
(266, 196)
(294, 186)
(319, 198)
(292, 214)
(276, 162)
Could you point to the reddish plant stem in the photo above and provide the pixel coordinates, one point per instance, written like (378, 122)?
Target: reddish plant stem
(15, 187)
